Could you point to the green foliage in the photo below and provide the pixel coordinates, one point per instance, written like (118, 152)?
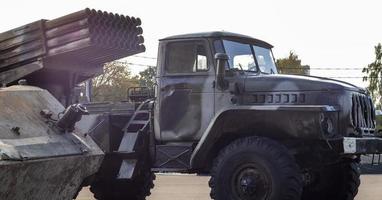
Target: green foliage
(373, 76)
(147, 77)
(292, 65)
(112, 85)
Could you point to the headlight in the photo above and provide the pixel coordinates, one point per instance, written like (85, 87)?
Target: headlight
(327, 125)
(330, 127)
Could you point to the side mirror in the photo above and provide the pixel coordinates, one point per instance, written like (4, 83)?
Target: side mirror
(221, 59)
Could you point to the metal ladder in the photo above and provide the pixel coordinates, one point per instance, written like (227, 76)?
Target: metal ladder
(133, 141)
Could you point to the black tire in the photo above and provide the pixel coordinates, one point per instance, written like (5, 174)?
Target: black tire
(135, 189)
(337, 182)
(248, 160)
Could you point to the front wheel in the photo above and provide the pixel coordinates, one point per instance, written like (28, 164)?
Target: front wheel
(255, 168)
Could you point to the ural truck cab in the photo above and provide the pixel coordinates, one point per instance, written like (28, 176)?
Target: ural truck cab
(189, 89)
(222, 109)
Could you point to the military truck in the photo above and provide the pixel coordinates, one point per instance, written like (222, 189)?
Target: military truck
(221, 109)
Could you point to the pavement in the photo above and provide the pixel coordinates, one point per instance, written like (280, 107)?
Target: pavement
(191, 187)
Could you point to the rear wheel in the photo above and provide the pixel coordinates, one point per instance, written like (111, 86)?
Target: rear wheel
(255, 169)
(337, 182)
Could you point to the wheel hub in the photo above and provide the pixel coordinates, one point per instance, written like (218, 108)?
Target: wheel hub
(251, 183)
(248, 185)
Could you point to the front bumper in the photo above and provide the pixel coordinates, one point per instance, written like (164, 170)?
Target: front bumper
(353, 146)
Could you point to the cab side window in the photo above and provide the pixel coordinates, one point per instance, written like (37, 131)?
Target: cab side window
(186, 57)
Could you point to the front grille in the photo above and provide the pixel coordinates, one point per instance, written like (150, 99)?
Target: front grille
(363, 114)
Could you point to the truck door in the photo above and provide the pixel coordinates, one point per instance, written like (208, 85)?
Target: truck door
(186, 90)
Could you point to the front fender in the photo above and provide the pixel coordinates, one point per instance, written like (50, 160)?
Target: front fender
(278, 122)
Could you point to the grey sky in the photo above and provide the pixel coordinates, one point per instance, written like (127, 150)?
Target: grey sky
(325, 33)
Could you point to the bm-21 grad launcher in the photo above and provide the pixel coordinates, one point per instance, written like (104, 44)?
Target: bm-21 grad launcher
(43, 155)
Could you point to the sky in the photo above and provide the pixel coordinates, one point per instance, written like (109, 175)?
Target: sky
(325, 34)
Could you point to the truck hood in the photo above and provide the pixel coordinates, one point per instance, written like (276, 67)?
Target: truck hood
(280, 82)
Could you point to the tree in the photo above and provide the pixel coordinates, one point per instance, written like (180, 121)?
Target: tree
(373, 76)
(292, 65)
(147, 77)
(112, 85)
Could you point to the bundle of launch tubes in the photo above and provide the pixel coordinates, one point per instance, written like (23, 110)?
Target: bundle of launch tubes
(87, 36)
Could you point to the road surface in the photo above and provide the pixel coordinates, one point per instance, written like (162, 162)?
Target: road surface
(190, 187)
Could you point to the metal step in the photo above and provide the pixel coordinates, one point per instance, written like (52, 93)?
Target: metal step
(141, 115)
(128, 142)
(127, 169)
(140, 122)
(142, 112)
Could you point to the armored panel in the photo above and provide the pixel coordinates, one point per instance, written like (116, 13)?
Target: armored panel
(36, 157)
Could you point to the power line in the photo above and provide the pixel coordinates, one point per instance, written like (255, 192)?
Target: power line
(325, 68)
(349, 77)
(135, 64)
(141, 65)
(333, 77)
(146, 57)
(339, 69)
(286, 68)
(341, 77)
(312, 68)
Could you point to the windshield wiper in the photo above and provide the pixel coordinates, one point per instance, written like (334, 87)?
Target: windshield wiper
(241, 67)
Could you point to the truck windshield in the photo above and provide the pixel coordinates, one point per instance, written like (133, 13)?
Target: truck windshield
(243, 56)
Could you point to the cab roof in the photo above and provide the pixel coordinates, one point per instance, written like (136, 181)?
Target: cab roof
(220, 34)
